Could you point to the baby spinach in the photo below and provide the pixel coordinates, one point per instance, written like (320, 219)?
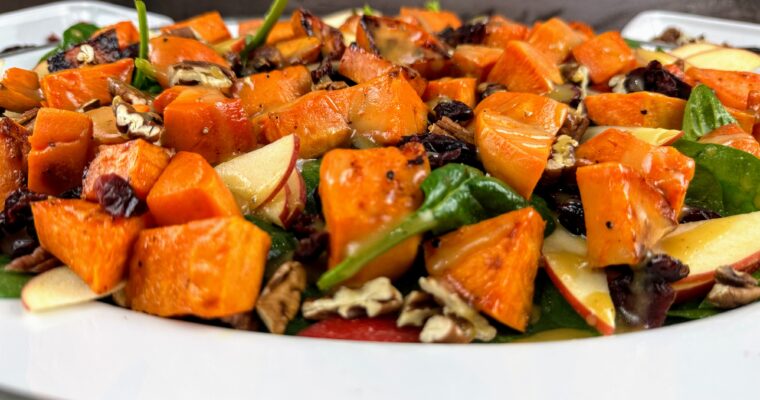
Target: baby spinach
(11, 283)
(72, 36)
(310, 173)
(703, 113)
(455, 195)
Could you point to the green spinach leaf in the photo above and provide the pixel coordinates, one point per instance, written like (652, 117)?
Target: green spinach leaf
(72, 36)
(283, 243)
(703, 113)
(11, 283)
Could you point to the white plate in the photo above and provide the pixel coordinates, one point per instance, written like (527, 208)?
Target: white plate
(650, 24)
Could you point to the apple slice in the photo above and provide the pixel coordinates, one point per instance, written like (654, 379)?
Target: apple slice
(287, 203)
(726, 59)
(706, 245)
(583, 287)
(691, 49)
(59, 287)
(646, 56)
(255, 178)
(655, 136)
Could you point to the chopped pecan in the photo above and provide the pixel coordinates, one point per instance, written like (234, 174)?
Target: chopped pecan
(89, 106)
(563, 153)
(447, 126)
(281, 297)
(376, 297)
(331, 85)
(183, 32)
(447, 329)
(127, 92)
(201, 73)
(243, 321)
(37, 262)
(733, 289)
(145, 125)
(454, 306)
(418, 308)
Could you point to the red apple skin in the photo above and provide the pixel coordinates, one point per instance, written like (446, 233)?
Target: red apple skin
(291, 167)
(584, 312)
(296, 199)
(697, 286)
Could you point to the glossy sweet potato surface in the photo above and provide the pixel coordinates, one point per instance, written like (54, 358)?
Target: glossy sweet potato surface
(20, 90)
(522, 68)
(647, 109)
(475, 61)
(166, 51)
(460, 89)
(208, 26)
(555, 39)
(70, 89)
(605, 56)
(263, 92)
(731, 87)
(14, 148)
(732, 135)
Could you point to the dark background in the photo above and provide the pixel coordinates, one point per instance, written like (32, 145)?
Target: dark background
(602, 14)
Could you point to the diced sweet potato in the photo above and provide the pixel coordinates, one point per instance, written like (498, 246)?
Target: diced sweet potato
(461, 89)
(663, 167)
(583, 28)
(138, 162)
(126, 33)
(301, 50)
(647, 109)
(745, 119)
(531, 109)
(500, 31)
(625, 216)
(208, 26)
(521, 68)
(70, 89)
(493, 264)
(732, 135)
(361, 66)
(366, 191)
(60, 150)
(204, 121)
(266, 91)
(166, 51)
(306, 24)
(90, 241)
(605, 56)
(209, 268)
(14, 147)
(475, 61)
(432, 21)
(189, 189)
(20, 90)
(555, 39)
(512, 151)
(282, 30)
(731, 87)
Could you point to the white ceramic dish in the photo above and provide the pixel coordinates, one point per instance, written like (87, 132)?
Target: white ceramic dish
(649, 24)
(97, 351)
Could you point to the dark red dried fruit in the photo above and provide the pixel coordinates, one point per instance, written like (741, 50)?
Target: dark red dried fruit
(312, 237)
(655, 78)
(444, 149)
(17, 213)
(694, 214)
(570, 213)
(454, 109)
(117, 197)
(472, 33)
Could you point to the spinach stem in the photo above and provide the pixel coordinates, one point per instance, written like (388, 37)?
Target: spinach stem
(271, 18)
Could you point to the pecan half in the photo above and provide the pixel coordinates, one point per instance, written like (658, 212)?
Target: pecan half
(376, 297)
(279, 301)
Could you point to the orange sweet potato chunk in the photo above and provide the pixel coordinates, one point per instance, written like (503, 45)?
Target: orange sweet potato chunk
(663, 167)
(647, 109)
(70, 89)
(731, 87)
(266, 91)
(531, 109)
(204, 121)
(362, 66)
(138, 162)
(282, 30)
(625, 216)
(166, 51)
(522, 68)
(432, 21)
(126, 33)
(20, 90)
(605, 56)
(732, 135)
(208, 26)
(60, 150)
(555, 39)
(366, 191)
(475, 61)
(300, 50)
(14, 147)
(90, 241)
(500, 31)
(189, 189)
(461, 89)
(209, 268)
(493, 264)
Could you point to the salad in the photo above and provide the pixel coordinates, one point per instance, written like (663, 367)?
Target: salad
(406, 178)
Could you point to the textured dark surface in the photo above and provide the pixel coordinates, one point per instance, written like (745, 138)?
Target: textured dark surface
(602, 14)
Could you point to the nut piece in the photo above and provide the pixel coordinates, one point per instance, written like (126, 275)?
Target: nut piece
(89, 106)
(418, 308)
(127, 92)
(281, 297)
(376, 297)
(453, 305)
(733, 289)
(145, 125)
(37, 262)
(447, 126)
(563, 153)
(243, 321)
(86, 54)
(447, 329)
(201, 73)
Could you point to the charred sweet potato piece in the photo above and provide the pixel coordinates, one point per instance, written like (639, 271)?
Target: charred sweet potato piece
(208, 26)
(204, 121)
(366, 191)
(266, 91)
(70, 89)
(521, 68)
(209, 268)
(731, 87)
(307, 24)
(300, 50)
(500, 31)
(20, 90)
(461, 89)
(282, 30)
(492, 264)
(60, 150)
(126, 33)
(663, 167)
(475, 61)
(732, 135)
(138, 162)
(189, 189)
(166, 51)
(555, 39)
(605, 56)
(432, 21)
(531, 109)
(361, 66)
(14, 147)
(625, 216)
(648, 109)
(512, 151)
(90, 241)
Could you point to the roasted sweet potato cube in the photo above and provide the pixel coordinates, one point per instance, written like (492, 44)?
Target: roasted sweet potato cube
(492, 264)
(70, 89)
(364, 192)
(664, 167)
(625, 216)
(20, 90)
(732, 135)
(500, 31)
(166, 51)
(126, 33)
(731, 87)
(512, 151)
(300, 50)
(306, 24)
(555, 39)
(209, 268)
(582, 28)
(605, 56)
(204, 121)
(361, 66)
(282, 30)
(460, 89)
(90, 241)
(189, 189)
(475, 61)
(138, 162)
(208, 26)
(521, 68)
(648, 109)
(531, 109)
(745, 119)
(60, 150)
(266, 91)
(432, 21)
(14, 148)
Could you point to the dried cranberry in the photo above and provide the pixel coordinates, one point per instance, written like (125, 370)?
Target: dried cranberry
(655, 78)
(17, 212)
(117, 197)
(454, 109)
(472, 33)
(443, 149)
(312, 237)
(570, 214)
(23, 246)
(694, 214)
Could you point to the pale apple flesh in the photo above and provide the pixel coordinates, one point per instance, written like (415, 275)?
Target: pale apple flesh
(584, 288)
(287, 203)
(59, 287)
(653, 136)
